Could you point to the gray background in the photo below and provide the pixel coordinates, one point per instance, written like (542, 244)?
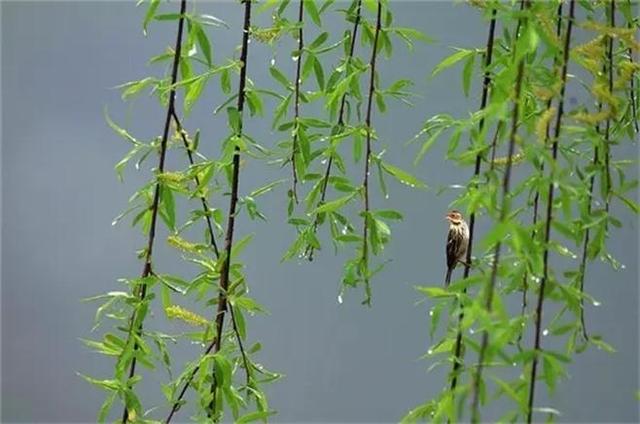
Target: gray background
(342, 362)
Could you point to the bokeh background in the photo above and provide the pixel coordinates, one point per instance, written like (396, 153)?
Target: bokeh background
(343, 362)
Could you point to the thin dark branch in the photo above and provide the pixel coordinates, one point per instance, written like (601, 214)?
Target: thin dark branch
(203, 199)
(607, 130)
(141, 290)
(233, 201)
(549, 217)
(177, 403)
(296, 102)
(486, 83)
(632, 93)
(367, 158)
(536, 198)
(503, 215)
(340, 123)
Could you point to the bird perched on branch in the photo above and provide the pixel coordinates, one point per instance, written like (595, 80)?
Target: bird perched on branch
(457, 242)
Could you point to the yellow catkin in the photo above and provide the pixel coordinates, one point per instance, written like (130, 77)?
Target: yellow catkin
(178, 312)
(543, 123)
(626, 69)
(626, 35)
(266, 35)
(515, 159)
(601, 92)
(591, 118)
(171, 177)
(184, 245)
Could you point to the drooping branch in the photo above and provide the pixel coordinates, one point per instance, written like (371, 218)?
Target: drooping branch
(549, 213)
(296, 102)
(340, 123)
(536, 197)
(486, 83)
(205, 207)
(504, 211)
(141, 290)
(367, 159)
(607, 130)
(233, 200)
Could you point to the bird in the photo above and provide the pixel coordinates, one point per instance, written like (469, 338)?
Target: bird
(457, 242)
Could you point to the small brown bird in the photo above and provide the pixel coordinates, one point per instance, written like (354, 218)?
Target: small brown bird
(457, 242)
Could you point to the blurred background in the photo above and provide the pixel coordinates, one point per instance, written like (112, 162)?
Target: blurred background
(342, 362)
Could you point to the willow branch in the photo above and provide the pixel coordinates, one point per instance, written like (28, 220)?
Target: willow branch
(340, 123)
(503, 215)
(296, 102)
(177, 403)
(233, 201)
(607, 130)
(549, 217)
(486, 83)
(536, 198)
(367, 159)
(141, 290)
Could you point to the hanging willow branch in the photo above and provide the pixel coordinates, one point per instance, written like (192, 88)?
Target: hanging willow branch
(205, 208)
(340, 123)
(503, 215)
(233, 201)
(367, 159)
(141, 290)
(296, 102)
(549, 217)
(536, 198)
(486, 83)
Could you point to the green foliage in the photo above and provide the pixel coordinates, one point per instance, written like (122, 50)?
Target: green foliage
(559, 206)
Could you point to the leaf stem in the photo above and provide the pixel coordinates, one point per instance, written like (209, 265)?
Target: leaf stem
(141, 290)
(475, 417)
(549, 217)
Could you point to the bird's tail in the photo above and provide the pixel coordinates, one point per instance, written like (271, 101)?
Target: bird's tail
(447, 278)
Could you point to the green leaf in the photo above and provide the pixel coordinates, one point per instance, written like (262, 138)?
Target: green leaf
(234, 119)
(151, 11)
(451, 60)
(435, 292)
(254, 416)
(279, 76)
(240, 245)
(311, 8)
(388, 214)
(334, 204)
(467, 73)
(402, 176)
(203, 41)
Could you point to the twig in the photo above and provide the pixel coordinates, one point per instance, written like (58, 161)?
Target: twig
(365, 184)
(296, 102)
(340, 123)
(233, 201)
(203, 199)
(486, 83)
(141, 290)
(503, 215)
(549, 217)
